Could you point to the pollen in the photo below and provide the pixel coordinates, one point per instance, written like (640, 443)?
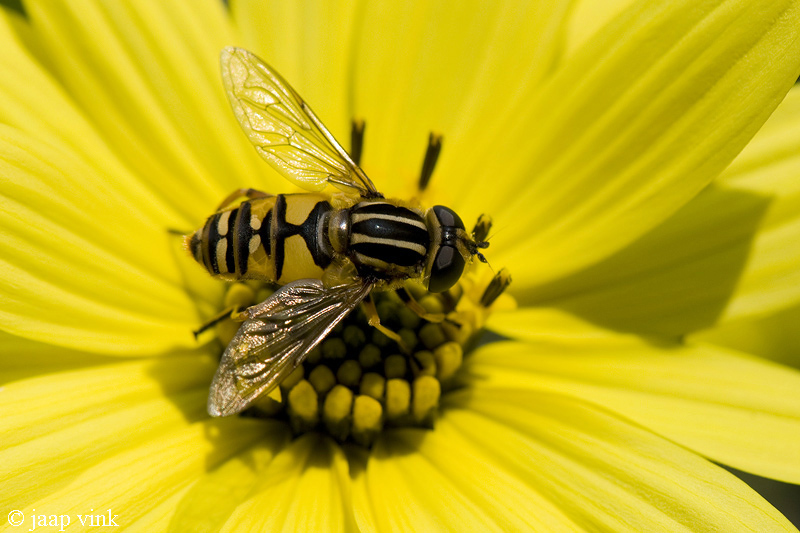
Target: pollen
(357, 381)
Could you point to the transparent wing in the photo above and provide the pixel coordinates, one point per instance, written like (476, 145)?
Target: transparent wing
(283, 128)
(276, 338)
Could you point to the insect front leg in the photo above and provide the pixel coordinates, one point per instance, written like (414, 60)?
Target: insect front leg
(250, 194)
(415, 306)
(375, 321)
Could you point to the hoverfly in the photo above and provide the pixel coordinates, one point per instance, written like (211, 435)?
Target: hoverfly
(327, 254)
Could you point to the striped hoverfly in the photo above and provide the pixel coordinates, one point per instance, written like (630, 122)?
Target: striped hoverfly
(327, 253)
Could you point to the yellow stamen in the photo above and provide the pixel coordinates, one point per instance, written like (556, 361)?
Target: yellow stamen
(334, 348)
(432, 304)
(369, 356)
(322, 379)
(398, 398)
(303, 406)
(336, 411)
(425, 399)
(357, 380)
(373, 385)
(293, 378)
(367, 419)
(349, 373)
(431, 335)
(395, 366)
(448, 360)
(426, 363)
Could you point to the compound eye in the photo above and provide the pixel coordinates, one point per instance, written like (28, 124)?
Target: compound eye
(446, 270)
(447, 217)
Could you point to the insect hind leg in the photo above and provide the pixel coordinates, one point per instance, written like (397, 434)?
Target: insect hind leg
(234, 313)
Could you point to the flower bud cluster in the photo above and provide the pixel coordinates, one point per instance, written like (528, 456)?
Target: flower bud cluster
(358, 381)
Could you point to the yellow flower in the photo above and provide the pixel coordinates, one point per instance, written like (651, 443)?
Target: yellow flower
(601, 138)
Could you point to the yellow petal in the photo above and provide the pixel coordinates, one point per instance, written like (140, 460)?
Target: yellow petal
(147, 76)
(82, 269)
(676, 279)
(305, 488)
(641, 118)
(123, 436)
(769, 169)
(604, 473)
(311, 45)
(133, 482)
(211, 501)
(589, 16)
(422, 480)
(552, 325)
(775, 337)
(36, 104)
(22, 358)
(737, 410)
(728, 254)
(159, 516)
(458, 69)
(47, 404)
(14, 13)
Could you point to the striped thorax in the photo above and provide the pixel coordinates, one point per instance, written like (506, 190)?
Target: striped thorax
(382, 239)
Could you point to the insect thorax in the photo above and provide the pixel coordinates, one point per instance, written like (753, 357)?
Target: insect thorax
(390, 240)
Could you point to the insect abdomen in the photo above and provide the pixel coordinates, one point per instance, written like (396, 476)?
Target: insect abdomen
(387, 237)
(213, 245)
(277, 239)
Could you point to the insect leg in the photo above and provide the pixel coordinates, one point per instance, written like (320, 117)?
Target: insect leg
(415, 306)
(250, 194)
(357, 140)
(234, 313)
(375, 321)
(429, 163)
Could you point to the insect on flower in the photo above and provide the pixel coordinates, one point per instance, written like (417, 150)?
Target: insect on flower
(328, 253)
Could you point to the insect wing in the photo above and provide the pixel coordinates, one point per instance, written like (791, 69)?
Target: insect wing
(283, 128)
(276, 338)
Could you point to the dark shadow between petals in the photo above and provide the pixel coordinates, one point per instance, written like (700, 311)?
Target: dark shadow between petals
(649, 290)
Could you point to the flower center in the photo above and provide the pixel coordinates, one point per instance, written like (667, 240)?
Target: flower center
(359, 381)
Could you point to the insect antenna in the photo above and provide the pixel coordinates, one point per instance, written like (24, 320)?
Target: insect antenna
(493, 235)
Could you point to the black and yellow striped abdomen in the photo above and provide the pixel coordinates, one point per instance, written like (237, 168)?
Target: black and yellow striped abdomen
(288, 237)
(277, 239)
